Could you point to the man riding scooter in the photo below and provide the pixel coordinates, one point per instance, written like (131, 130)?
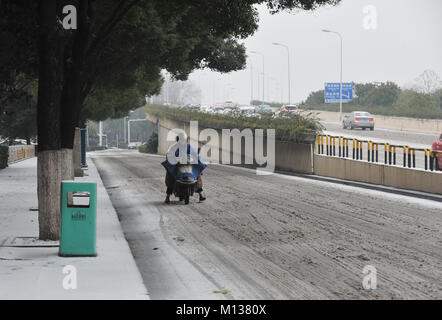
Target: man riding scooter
(182, 151)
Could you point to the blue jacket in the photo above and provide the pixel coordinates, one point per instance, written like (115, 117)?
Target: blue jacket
(196, 168)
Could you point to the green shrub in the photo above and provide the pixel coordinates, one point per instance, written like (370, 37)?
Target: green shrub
(150, 146)
(300, 128)
(4, 155)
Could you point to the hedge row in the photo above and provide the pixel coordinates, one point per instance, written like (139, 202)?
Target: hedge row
(4, 155)
(301, 128)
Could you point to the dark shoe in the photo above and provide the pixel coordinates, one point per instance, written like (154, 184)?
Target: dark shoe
(167, 199)
(202, 196)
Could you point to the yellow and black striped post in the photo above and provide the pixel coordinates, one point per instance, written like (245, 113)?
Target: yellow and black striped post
(354, 142)
(389, 154)
(377, 152)
(394, 155)
(409, 156)
(405, 156)
(319, 144)
(357, 149)
(327, 141)
(360, 149)
(334, 146)
(431, 161)
(369, 151)
(426, 158)
(385, 152)
(414, 158)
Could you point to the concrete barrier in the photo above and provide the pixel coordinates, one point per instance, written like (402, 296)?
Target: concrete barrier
(300, 158)
(19, 153)
(432, 126)
(392, 176)
(289, 156)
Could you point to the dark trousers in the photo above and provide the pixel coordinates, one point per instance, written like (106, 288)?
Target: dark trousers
(170, 182)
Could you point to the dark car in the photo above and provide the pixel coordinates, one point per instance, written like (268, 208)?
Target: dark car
(437, 146)
(358, 119)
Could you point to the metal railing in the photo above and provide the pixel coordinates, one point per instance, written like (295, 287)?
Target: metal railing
(326, 145)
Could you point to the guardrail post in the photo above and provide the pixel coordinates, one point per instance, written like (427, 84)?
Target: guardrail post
(409, 156)
(354, 148)
(346, 148)
(369, 150)
(319, 144)
(360, 150)
(357, 149)
(339, 140)
(334, 146)
(431, 161)
(322, 144)
(426, 159)
(377, 152)
(385, 153)
(326, 139)
(405, 156)
(414, 158)
(389, 154)
(394, 155)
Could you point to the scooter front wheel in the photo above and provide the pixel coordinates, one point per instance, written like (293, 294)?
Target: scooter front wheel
(186, 200)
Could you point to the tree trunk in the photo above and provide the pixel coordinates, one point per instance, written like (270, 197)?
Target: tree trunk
(48, 122)
(67, 164)
(78, 171)
(49, 185)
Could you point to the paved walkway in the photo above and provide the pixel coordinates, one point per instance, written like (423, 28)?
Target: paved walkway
(37, 272)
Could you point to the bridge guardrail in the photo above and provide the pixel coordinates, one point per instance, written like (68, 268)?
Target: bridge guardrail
(326, 145)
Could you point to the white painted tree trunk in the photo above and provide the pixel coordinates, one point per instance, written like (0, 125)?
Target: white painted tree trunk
(78, 172)
(67, 164)
(49, 173)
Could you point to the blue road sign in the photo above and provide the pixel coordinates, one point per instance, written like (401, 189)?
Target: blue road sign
(332, 90)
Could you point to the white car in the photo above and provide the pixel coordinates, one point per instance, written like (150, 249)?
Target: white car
(134, 145)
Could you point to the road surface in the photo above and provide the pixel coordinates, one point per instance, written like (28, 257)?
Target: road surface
(273, 237)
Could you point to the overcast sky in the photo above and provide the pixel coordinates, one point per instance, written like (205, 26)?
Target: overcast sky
(407, 40)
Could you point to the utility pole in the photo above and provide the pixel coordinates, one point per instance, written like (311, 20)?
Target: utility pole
(263, 72)
(340, 82)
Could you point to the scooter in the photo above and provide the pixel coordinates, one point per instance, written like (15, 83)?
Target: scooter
(185, 183)
(185, 173)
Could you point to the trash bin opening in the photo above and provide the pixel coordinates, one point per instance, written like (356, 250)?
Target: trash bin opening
(78, 199)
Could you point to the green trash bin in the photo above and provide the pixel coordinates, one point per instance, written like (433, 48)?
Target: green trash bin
(78, 219)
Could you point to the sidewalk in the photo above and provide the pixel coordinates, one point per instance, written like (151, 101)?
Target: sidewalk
(37, 272)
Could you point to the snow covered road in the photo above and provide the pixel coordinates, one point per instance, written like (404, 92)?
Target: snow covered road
(273, 237)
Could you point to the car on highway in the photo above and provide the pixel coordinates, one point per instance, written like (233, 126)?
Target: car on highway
(437, 146)
(264, 109)
(358, 119)
(289, 109)
(247, 111)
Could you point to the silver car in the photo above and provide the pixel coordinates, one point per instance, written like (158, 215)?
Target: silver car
(358, 119)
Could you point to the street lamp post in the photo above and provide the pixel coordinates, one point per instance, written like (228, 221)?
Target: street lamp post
(251, 81)
(340, 81)
(288, 65)
(259, 53)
